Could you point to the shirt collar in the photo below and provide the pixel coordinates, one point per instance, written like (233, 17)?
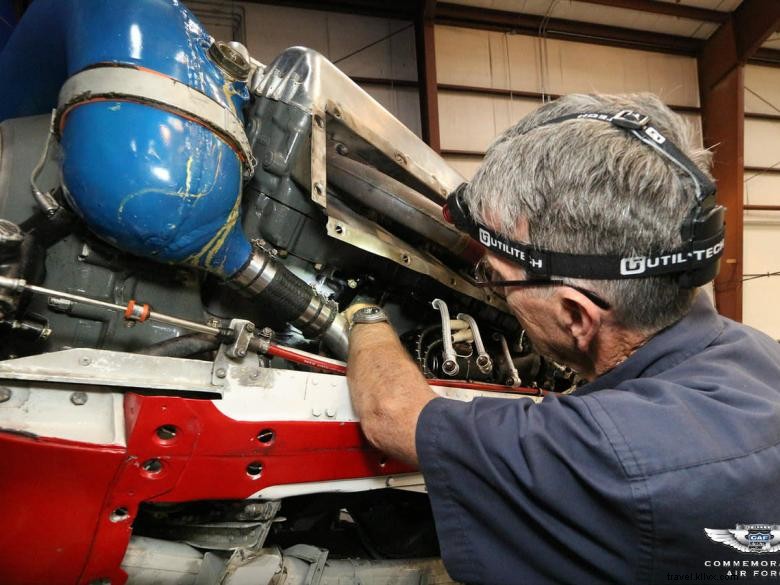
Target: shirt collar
(688, 336)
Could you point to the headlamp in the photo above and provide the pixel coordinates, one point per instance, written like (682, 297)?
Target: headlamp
(696, 262)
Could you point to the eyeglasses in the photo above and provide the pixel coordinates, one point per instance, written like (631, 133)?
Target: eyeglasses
(486, 276)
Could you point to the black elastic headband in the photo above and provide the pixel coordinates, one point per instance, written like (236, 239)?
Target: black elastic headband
(696, 261)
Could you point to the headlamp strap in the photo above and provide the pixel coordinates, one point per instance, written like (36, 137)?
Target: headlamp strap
(544, 263)
(702, 230)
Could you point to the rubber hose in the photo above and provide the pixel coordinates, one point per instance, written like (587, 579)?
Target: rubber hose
(183, 346)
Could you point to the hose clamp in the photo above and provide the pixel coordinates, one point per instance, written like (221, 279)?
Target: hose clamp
(126, 83)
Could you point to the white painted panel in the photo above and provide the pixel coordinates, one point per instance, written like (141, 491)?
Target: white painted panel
(271, 29)
(463, 56)
(762, 143)
(465, 165)
(525, 63)
(762, 90)
(471, 122)
(762, 189)
(759, 296)
(403, 102)
(393, 58)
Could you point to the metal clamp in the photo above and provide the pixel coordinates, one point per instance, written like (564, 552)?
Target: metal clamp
(243, 331)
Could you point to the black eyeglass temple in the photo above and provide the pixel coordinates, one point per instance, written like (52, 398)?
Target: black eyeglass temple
(593, 297)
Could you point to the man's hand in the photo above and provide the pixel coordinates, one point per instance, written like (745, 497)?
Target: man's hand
(387, 389)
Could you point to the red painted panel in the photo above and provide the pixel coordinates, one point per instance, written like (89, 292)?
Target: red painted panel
(51, 495)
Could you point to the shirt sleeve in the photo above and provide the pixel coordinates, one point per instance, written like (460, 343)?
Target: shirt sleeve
(527, 493)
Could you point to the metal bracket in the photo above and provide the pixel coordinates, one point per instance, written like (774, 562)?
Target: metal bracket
(310, 554)
(243, 330)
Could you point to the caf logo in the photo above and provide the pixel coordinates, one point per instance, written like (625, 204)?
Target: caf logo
(749, 538)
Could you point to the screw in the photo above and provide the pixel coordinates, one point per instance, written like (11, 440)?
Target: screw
(166, 432)
(254, 374)
(352, 283)
(221, 373)
(318, 188)
(339, 229)
(250, 327)
(342, 149)
(239, 353)
(400, 158)
(79, 398)
(85, 361)
(5, 394)
(265, 436)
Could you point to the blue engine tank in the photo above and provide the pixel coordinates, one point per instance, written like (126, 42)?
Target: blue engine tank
(147, 178)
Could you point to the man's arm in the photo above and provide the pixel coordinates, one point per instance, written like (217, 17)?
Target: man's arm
(387, 389)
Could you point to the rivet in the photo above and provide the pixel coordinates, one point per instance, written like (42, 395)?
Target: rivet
(221, 373)
(5, 394)
(331, 412)
(85, 361)
(316, 412)
(79, 398)
(314, 381)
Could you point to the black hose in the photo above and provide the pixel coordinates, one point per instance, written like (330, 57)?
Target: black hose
(183, 346)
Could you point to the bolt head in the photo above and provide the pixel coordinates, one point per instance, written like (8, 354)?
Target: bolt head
(221, 373)
(250, 327)
(331, 412)
(241, 352)
(5, 394)
(316, 412)
(79, 398)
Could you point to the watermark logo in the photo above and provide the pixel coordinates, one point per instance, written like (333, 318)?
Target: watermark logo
(634, 265)
(748, 538)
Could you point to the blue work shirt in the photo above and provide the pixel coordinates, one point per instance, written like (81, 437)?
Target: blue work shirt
(616, 482)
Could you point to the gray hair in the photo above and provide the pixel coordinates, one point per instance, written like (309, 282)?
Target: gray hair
(586, 187)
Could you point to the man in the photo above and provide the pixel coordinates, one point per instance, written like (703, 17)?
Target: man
(678, 429)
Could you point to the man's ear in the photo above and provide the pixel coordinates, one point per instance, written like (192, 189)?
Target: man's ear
(580, 317)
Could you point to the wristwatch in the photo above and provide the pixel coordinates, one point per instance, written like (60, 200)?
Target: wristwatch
(372, 314)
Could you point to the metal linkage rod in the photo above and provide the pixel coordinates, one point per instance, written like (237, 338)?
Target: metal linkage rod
(133, 311)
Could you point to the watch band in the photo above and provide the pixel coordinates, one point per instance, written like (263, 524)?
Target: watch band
(368, 315)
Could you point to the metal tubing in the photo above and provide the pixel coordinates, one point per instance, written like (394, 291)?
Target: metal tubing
(450, 365)
(514, 376)
(484, 363)
(18, 284)
(395, 200)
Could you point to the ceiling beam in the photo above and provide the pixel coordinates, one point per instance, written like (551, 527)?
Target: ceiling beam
(654, 7)
(400, 9)
(737, 40)
(481, 18)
